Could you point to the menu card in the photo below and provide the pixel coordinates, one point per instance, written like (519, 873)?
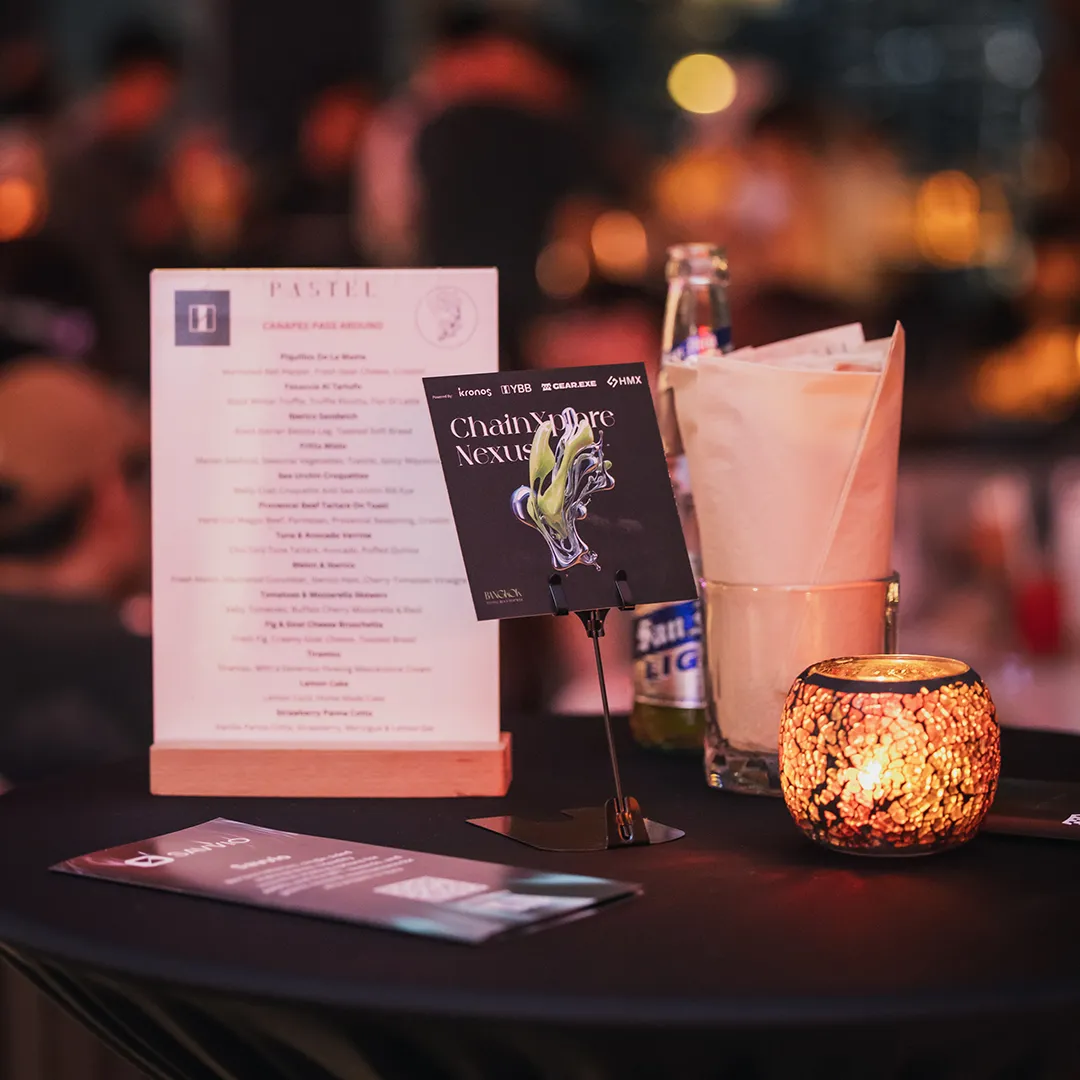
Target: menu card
(559, 473)
(307, 585)
(430, 895)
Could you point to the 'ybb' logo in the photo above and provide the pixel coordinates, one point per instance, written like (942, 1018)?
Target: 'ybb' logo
(148, 862)
(202, 317)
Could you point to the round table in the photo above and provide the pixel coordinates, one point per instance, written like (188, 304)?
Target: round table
(752, 953)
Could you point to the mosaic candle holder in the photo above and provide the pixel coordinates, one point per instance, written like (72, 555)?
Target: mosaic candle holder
(889, 755)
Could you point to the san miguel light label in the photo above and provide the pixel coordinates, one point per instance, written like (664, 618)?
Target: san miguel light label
(559, 473)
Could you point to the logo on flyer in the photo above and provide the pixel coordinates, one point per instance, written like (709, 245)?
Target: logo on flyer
(202, 317)
(148, 862)
(446, 317)
(503, 596)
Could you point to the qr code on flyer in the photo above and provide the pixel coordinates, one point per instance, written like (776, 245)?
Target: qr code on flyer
(432, 890)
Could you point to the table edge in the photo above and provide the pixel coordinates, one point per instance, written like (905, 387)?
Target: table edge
(790, 1011)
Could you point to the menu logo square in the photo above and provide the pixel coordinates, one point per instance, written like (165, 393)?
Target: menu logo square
(202, 317)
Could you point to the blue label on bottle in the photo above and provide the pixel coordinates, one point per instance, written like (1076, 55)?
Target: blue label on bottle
(667, 656)
(705, 340)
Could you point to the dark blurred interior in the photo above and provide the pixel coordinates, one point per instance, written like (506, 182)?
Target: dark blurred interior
(901, 159)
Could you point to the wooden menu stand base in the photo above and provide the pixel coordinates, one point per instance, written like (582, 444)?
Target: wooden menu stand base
(330, 772)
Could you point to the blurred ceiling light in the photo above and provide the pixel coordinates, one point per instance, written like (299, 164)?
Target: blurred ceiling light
(947, 225)
(620, 245)
(562, 269)
(1013, 57)
(702, 83)
(21, 206)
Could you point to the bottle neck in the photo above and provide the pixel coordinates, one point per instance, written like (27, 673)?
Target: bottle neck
(697, 318)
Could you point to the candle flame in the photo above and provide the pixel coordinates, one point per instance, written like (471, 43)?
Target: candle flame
(870, 777)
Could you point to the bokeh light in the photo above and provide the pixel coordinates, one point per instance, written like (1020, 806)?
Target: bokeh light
(702, 83)
(620, 245)
(1013, 57)
(693, 188)
(1034, 378)
(947, 219)
(562, 269)
(21, 205)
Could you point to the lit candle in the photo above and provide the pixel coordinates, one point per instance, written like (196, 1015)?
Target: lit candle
(889, 755)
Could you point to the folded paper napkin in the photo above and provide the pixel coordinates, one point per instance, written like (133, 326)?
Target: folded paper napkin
(792, 451)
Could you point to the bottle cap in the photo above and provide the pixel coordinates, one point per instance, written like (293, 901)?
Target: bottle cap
(696, 261)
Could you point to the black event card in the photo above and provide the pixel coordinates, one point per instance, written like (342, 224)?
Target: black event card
(559, 472)
(430, 895)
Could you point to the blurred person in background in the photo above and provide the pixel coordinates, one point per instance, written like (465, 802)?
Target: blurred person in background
(211, 190)
(468, 167)
(506, 150)
(804, 224)
(47, 303)
(472, 56)
(113, 201)
(311, 225)
(74, 571)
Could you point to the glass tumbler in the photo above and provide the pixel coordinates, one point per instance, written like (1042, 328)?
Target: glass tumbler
(757, 640)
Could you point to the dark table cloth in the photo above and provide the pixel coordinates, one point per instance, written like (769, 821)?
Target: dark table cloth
(752, 952)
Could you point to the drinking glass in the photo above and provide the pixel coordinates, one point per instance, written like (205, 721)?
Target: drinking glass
(757, 640)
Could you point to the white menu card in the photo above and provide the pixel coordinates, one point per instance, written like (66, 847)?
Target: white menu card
(308, 584)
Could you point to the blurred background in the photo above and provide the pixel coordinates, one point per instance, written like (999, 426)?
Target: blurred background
(866, 160)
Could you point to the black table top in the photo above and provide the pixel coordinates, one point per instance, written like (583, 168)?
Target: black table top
(742, 922)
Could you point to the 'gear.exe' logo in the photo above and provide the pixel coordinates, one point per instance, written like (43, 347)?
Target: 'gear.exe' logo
(202, 317)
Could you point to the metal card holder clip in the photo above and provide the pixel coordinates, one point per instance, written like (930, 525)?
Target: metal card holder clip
(619, 822)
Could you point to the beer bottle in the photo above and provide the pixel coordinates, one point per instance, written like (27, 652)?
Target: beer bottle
(669, 677)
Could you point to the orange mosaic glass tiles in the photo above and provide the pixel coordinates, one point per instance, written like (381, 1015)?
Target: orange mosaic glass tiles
(889, 755)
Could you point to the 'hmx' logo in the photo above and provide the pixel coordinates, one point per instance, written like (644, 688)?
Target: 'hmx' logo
(202, 317)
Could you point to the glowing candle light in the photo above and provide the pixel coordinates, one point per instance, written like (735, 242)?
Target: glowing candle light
(889, 755)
